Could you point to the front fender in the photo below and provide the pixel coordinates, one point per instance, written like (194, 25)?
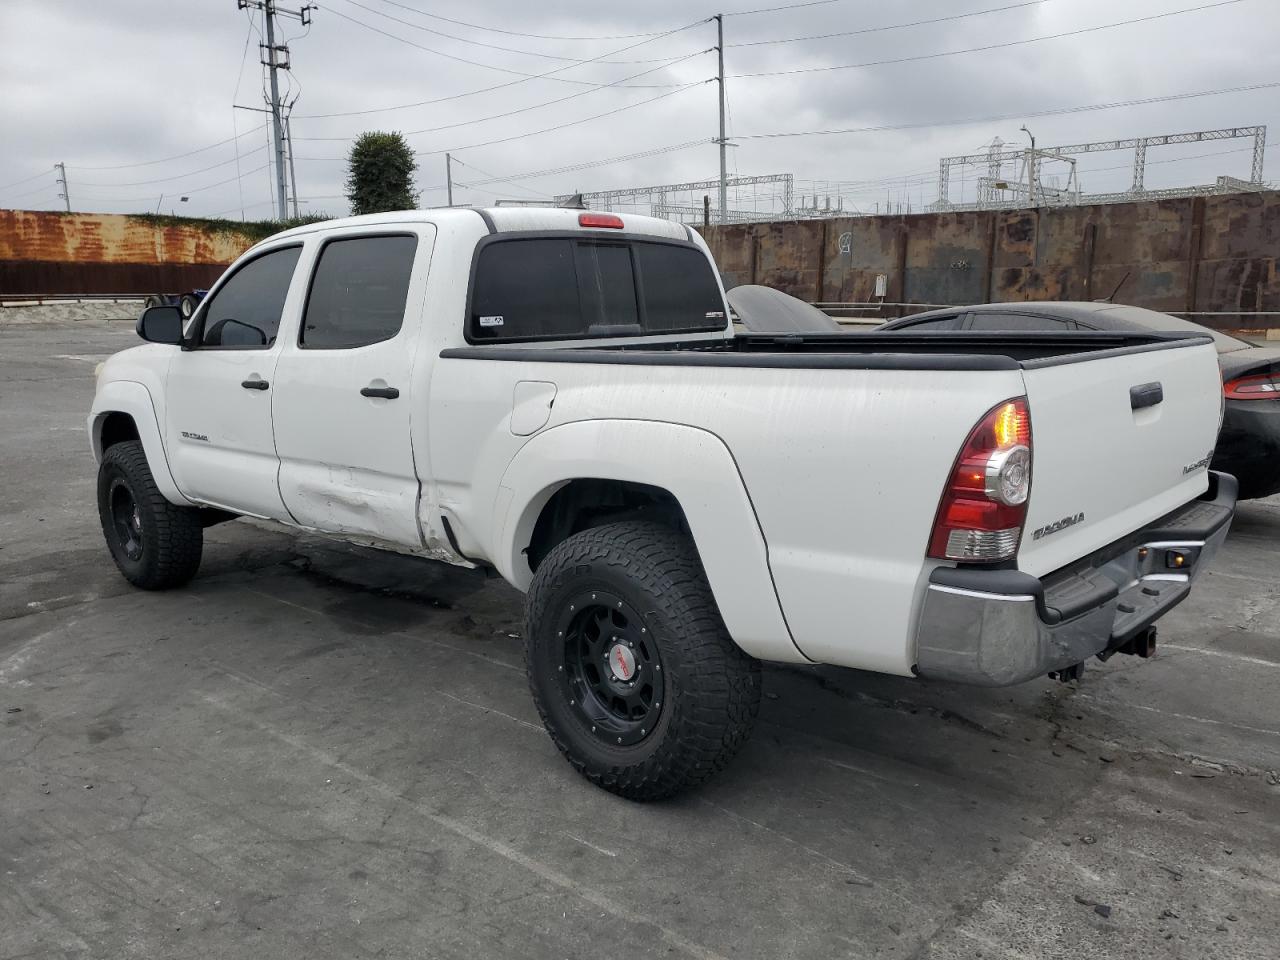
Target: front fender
(133, 398)
(696, 468)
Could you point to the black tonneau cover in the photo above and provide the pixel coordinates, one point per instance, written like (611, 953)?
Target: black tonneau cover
(938, 350)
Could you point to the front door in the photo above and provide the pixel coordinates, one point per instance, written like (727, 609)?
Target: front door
(344, 393)
(218, 417)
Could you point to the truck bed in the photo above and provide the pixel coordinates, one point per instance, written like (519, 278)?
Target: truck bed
(889, 351)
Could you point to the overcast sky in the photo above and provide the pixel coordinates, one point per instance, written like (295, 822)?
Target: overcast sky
(121, 83)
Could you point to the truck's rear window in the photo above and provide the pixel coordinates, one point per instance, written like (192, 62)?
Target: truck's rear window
(564, 288)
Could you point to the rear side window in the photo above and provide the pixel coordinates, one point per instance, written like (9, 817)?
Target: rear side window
(526, 289)
(245, 311)
(358, 292)
(562, 288)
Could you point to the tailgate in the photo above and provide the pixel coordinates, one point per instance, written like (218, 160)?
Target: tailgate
(1108, 457)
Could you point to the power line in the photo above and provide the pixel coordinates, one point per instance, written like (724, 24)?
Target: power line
(179, 156)
(991, 46)
(894, 26)
(517, 33)
(495, 179)
(18, 183)
(785, 6)
(180, 176)
(602, 59)
(488, 66)
(477, 43)
(562, 126)
(1058, 111)
(589, 164)
(535, 106)
(32, 193)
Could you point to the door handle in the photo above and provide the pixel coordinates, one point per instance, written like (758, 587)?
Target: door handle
(384, 393)
(1146, 395)
(254, 384)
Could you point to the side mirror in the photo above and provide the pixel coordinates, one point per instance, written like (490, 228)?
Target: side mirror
(160, 325)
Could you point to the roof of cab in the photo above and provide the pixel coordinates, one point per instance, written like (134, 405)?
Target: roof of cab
(503, 219)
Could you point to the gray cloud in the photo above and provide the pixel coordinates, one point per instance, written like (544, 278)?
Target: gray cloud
(120, 82)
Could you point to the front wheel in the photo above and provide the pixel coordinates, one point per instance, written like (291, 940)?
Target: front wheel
(156, 544)
(631, 667)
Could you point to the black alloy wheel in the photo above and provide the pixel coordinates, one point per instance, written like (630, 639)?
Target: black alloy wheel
(126, 518)
(612, 668)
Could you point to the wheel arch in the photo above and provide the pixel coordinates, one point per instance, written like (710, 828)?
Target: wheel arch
(123, 410)
(578, 475)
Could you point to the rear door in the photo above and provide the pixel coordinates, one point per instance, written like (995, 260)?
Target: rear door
(344, 387)
(1117, 442)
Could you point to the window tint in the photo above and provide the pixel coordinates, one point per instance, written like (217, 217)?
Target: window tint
(526, 288)
(680, 289)
(937, 323)
(245, 311)
(565, 288)
(358, 292)
(606, 286)
(1017, 322)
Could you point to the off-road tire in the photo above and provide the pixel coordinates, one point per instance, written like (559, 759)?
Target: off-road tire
(711, 688)
(168, 538)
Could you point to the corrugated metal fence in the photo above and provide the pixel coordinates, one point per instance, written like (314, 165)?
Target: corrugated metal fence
(77, 253)
(1214, 257)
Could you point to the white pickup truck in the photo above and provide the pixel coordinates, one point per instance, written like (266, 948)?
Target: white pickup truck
(559, 396)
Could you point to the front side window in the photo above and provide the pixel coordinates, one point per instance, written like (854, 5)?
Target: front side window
(358, 292)
(245, 311)
(562, 288)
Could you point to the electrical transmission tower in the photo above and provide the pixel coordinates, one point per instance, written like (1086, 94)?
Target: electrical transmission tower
(996, 191)
(275, 56)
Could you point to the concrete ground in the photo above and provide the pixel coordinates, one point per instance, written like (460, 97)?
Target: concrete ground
(314, 751)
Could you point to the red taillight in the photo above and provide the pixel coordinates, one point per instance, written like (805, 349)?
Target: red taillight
(983, 508)
(1263, 386)
(606, 221)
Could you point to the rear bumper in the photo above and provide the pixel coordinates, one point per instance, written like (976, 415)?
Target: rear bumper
(1000, 627)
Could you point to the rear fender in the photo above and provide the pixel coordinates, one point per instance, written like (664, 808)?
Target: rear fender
(133, 398)
(692, 465)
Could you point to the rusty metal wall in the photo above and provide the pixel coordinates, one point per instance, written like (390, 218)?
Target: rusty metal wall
(1194, 254)
(60, 253)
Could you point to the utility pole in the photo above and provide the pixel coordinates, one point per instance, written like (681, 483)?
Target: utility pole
(66, 191)
(724, 203)
(293, 175)
(276, 57)
(448, 176)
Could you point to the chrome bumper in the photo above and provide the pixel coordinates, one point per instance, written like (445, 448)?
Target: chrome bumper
(1000, 627)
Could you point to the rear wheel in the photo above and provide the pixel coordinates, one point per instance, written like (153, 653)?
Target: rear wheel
(156, 544)
(631, 667)
(187, 303)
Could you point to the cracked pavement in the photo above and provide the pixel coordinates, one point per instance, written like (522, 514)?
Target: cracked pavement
(318, 751)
